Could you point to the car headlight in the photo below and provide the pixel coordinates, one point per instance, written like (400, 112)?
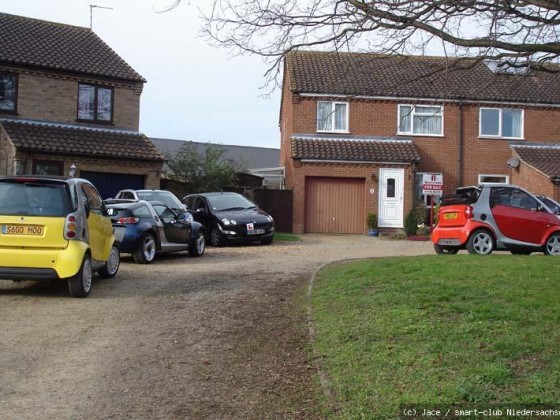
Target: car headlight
(270, 219)
(189, 218)
(228, 222)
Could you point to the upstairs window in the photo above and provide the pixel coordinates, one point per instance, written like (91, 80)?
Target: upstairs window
(497, 122)
(8, 92)
(95, 103)
(332, 116)
(421, 120)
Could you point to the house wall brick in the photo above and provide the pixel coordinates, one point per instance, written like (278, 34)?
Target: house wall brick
(54, 98)
(460, 154)
(534, 181)
(441, 154)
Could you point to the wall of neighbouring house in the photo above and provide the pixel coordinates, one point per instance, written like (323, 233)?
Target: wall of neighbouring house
(287, 129)
(7, 154)
(54, 97)
(534, 181)
(151, 170)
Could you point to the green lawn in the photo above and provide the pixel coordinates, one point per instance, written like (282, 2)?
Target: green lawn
(443, 330)
(286, 237)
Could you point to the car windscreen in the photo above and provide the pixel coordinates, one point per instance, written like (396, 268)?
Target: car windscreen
(166, 198)
(229, 202)
(32, 198)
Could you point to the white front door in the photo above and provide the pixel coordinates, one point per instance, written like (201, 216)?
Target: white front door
(391, 197)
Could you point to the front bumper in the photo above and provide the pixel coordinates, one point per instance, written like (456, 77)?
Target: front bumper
(236, 236)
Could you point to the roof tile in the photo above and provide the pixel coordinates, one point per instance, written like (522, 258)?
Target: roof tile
(543, 158)
(397, 151)
(55, 46)
(438, 78)
(57, 138)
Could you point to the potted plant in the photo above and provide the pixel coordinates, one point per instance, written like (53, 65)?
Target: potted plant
(371, 222)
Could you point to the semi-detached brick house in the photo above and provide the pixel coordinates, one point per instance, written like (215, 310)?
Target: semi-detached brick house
(67, 98)
(358, 131)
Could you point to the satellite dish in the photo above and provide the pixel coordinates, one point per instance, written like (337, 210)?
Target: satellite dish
(513, 162)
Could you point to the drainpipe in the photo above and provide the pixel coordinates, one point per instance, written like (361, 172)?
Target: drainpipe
(460, 147)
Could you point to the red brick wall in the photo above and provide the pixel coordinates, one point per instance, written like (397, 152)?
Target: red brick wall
(534, 181)
(440, 154)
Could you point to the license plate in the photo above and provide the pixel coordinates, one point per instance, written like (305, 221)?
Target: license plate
(252, 231)
(22, 230)
(449, 216)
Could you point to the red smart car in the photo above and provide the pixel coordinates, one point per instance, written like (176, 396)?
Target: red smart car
(496, 217)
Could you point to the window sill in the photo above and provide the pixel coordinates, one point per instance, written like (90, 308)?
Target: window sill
(501, 138)
(440, 136)
(333, 132)
(96, 122)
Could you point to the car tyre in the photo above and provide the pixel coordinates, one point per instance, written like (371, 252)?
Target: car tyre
(79, 285)
(198, 246)
(442, 250)
(146, 251)
(216, 237)
(111, 267)
(552, 246)
(480, 242)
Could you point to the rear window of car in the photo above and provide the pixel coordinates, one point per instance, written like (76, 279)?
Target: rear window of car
(34, 198)
(115, 213)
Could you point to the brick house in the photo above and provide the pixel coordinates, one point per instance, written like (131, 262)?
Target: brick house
(66, 98)
(358, 131)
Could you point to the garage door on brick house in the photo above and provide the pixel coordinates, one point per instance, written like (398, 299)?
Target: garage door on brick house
(109, 184)
(334, 205)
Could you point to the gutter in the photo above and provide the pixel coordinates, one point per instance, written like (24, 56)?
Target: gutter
(416, 99)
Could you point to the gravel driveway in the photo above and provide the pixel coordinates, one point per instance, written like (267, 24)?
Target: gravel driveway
(214, 337)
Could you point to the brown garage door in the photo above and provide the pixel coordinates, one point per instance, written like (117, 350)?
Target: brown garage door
(334, 205)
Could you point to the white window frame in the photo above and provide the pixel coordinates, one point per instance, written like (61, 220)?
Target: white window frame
(500, 136)
(333, 116)
(413, 113)
(481, 176)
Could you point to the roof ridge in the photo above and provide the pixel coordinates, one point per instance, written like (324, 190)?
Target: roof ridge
(48, 22)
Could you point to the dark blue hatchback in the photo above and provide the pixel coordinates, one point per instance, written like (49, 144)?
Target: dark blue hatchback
(145, 229)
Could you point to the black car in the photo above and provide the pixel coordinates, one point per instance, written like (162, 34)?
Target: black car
(230, 217)
(145, 228)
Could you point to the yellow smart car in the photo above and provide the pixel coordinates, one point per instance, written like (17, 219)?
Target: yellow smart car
(55, 229)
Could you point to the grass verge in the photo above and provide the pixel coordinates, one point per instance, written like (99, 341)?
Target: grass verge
(286, 237)
(438, 331)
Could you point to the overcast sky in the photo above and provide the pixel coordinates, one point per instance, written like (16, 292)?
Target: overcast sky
(194, 91)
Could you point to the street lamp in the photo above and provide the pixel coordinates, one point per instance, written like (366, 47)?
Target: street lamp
(72, 170)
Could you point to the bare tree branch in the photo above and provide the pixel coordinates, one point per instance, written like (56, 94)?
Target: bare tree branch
(521, 33)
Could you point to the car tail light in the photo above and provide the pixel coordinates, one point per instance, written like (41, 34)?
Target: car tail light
(128, 220)
(469, 212)
(70, 226)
